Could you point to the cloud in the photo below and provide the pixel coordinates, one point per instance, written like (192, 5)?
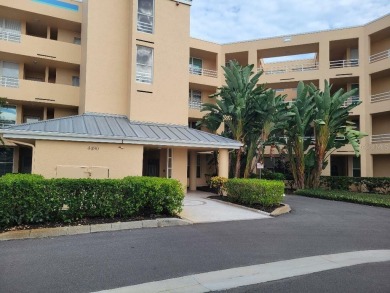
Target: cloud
(224, 21)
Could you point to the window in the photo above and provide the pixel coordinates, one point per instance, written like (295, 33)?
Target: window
(196, 66)
(356, 167)
(9, 74)
(75, 80)
(6, 160)
(7, 116)
(194, 125)
(144, 72)
(145, 22)
(169, 163)
(77, 40)
(195, 99)
(10, 30)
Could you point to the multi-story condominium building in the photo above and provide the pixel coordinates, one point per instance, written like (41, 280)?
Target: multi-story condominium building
(114, 89)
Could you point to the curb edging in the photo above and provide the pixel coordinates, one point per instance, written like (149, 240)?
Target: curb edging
(87, 229)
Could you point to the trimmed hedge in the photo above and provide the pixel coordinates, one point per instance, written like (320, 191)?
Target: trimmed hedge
(359, 184)
(31, 199)
(380, 200)
(255, 191)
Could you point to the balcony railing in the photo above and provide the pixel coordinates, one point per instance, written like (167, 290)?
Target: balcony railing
(145, 27)
(380, 56)
(202, 71)
(380, 97)
(195, 104)
(10, 37)
(7, 81)
(289, 68)
(144, 77)
(350, 100)
(378, 138)
(344, 63)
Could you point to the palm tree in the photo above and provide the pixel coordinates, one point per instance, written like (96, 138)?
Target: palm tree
(232, 104)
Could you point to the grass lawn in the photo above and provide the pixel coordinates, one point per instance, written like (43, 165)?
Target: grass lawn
(381, 200)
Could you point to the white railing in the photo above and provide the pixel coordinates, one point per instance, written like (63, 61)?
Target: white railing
(289, 68)
(202, 71)
(380, 97)
(144, 77)
(7, 81)
(10, 37)
(380, 56)
(377, 138)
(350, 100)
(344, 63)
(195, 104)
(145, 27)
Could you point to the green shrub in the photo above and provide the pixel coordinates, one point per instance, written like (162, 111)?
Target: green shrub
(30, 199)
(381, 200)
(255, 191)
(219, 184)
(359, 184)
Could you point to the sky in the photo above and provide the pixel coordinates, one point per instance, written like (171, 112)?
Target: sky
(225, 21)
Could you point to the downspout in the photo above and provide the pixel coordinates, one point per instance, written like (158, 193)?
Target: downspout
(28, 145)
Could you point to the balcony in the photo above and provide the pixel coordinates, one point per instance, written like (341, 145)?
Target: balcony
(351, 100)
(10, 37)
(203, 72)
(35, 91)
(289, 68)
(380, 138)
(343, 63)
(41, 48)
(7, 81)
(380, 56)
(380, 97)
(195, 104)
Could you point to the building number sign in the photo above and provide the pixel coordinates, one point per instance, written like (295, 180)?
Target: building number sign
(93, 148)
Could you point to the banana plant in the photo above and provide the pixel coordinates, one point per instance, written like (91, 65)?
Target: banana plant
(231, 107)
(332, 129)
(297, 140)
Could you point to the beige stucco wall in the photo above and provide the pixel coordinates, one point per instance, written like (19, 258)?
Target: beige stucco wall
(64, 76)
(64, 112)
(105, 67)
(166, 99)
(121, 160)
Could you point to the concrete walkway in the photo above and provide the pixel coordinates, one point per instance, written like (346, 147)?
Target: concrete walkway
(257, 274)
(197, 208)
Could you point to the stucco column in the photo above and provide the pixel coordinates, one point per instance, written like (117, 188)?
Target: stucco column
(193, 163)
(223, 164)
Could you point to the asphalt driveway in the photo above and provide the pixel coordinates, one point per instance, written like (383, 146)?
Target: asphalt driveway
(93, 262)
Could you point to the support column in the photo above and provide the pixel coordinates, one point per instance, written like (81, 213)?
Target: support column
(193, 163)
(223, 164)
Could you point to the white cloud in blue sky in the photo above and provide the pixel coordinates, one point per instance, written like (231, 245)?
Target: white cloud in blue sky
(225, 21)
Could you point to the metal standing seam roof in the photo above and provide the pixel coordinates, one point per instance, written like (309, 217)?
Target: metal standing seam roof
(95, 127)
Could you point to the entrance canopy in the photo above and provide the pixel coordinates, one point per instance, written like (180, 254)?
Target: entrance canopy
(107, 128)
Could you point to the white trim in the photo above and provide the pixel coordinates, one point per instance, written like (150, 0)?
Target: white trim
(135, 141)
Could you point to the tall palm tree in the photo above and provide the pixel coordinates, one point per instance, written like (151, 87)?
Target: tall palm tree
(232, 104)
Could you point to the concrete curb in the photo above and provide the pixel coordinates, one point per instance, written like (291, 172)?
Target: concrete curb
(282, 210)
(76, 230)
(240, 206)
(277, 212)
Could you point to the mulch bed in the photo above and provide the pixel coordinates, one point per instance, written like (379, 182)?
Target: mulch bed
(83, 222)
(253, 206)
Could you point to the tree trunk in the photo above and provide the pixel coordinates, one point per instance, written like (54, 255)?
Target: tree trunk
(238, 163)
